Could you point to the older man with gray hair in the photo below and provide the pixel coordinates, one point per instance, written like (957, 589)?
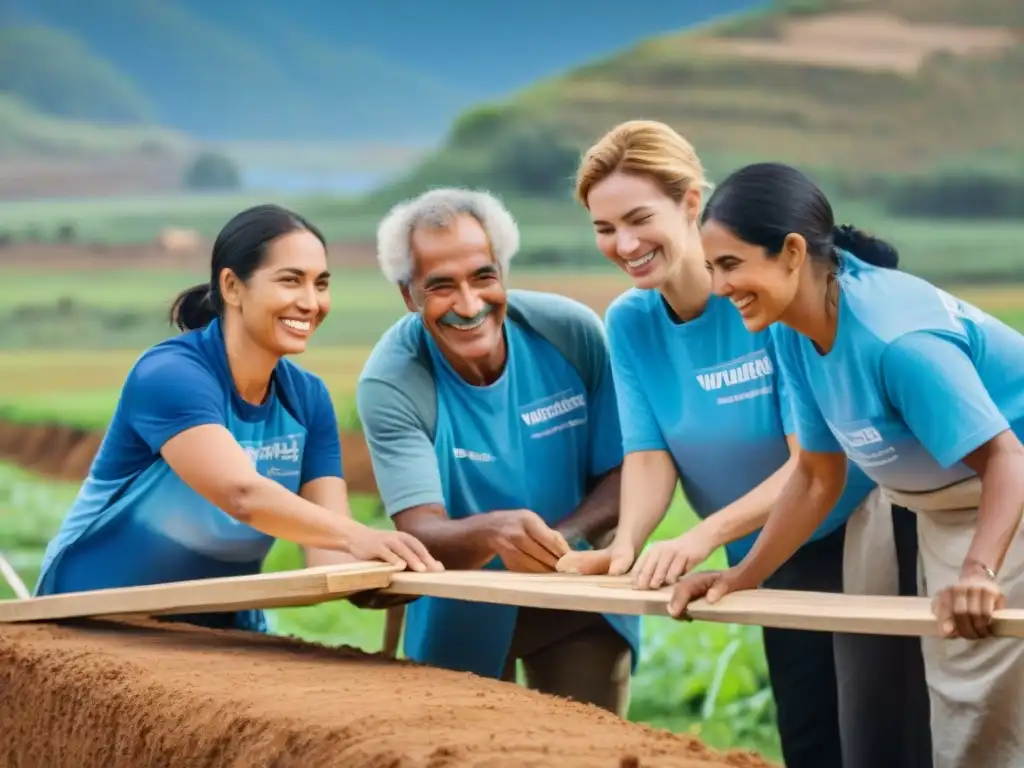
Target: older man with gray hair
(492, 424)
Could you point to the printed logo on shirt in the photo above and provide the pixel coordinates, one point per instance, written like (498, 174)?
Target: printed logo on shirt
(554, 413)
(277, 456)
(865, 444)
(756, 368)
(462, 453)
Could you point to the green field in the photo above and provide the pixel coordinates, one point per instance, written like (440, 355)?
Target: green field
(68, 363)
(555, 234)
(124, 307)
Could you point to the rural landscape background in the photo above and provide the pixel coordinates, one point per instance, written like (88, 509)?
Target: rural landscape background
(131, 130)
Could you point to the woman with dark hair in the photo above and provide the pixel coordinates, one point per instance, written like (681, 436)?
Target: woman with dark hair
(923, 392)
(218, 445)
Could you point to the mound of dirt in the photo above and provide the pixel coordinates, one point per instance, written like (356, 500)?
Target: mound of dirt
(133, 693)
(65, 453)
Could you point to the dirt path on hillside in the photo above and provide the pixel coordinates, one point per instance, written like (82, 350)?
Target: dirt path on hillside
(132, 693)
(869, 41)
(66, 453)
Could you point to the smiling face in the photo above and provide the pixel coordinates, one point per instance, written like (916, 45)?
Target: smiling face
(760, 286)
(457, 289)
(286, 299)
(640, 229)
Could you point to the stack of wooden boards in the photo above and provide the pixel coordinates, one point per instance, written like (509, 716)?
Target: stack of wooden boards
(601, 594)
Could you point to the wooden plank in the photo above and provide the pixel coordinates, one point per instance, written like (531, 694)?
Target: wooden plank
(861, 614)
(13, 579)
(560, 591)
(305, 586)
(820, 611)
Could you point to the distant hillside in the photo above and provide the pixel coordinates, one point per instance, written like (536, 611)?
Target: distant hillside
(25, 132)
(316, 69)
(855, 87)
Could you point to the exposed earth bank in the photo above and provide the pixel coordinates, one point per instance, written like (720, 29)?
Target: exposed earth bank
(129, 693)
(65, 453)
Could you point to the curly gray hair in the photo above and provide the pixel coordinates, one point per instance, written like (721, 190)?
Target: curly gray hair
(437, 208)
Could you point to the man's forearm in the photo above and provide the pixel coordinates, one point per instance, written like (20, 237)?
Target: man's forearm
(464, 544)
(597, 514)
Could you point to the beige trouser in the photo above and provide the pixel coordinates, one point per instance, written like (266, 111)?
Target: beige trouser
(976, 687)
(870, 565)
(573, 654)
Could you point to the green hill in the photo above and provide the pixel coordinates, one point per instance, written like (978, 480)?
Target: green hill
(853, 89)
(57, 74)
(26, 132)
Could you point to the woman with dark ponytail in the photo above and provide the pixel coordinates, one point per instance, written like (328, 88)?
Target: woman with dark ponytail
(219, 445)
(922, 391)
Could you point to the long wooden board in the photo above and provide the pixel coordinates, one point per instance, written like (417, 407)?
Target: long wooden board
(597, 594)
(306, 586)
(820, 611)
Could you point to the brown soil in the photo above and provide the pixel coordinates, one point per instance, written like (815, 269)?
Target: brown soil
(65, 453)
(134, 693)
(870, 41)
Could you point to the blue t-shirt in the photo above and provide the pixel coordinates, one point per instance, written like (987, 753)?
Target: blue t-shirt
(915, 381)
(707, 392)
(534, 439)
(135, 522)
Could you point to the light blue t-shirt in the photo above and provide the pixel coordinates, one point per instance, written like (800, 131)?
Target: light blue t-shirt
(135, 522)
(915, 381)
(537, 439)
(707, 392)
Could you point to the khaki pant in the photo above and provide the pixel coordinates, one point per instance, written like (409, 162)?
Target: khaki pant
(572, 654)
(976, 687)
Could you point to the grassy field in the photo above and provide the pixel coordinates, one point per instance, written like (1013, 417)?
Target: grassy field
(140, 218)
(75, 378)
(80, 388)
(123, 306)
(554, 231)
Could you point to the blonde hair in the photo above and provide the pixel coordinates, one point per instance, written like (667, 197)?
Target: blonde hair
(642, 148)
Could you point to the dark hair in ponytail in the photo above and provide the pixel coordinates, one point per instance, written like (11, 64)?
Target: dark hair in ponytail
(763, 203)
(241, 247)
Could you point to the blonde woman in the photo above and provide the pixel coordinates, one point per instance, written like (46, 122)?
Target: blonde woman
(700, 403)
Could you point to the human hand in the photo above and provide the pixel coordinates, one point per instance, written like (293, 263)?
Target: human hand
(711, 585)
(524, 542)
(667, 561)
(614, 560)
(965, 609)
(394, 547)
